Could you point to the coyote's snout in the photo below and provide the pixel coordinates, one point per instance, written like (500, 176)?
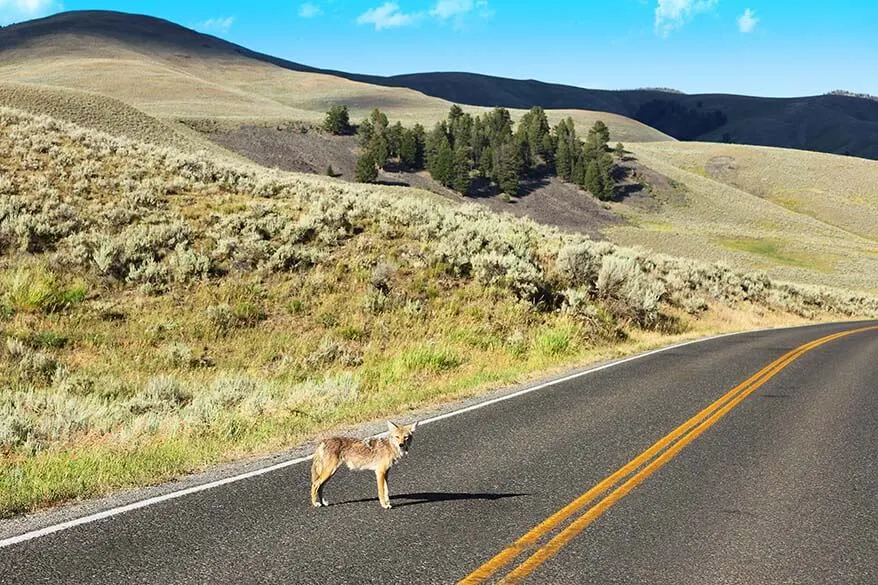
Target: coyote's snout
(375, 454)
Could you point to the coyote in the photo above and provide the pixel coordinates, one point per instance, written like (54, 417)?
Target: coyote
(377, 454)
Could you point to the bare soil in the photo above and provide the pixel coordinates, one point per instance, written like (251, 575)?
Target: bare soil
(547, 200)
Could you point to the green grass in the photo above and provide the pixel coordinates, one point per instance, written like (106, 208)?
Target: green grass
(769, 249)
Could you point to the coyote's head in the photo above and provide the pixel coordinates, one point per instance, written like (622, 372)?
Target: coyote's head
(401, 435)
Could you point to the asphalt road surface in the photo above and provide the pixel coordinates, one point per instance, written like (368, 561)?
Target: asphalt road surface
(776, 484)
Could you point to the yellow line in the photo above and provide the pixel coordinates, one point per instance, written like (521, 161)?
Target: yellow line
(699, 422)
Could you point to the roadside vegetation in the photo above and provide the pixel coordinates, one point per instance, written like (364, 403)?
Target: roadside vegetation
(161, 311)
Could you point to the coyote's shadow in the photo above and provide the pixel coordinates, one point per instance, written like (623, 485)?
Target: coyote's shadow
(416, 498)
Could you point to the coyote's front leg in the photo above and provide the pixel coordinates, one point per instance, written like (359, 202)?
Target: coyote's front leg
(383, 493)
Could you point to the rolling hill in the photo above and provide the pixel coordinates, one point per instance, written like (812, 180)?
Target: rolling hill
(827, 123)
(799, 216)
(172, 72)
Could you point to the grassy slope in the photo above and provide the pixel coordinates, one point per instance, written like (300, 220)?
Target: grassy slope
(840, 191)
(814, 221)
(718, 225)
(161, 312)
(98, 112)
(193, 82)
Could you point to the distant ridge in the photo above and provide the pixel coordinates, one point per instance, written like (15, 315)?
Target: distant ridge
(833, 123)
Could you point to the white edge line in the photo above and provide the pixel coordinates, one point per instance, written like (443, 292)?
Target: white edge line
(255, 473)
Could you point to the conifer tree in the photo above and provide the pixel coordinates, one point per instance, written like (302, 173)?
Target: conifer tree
(408, 149)
(593, 182)
(337, 120)
(462, 167)
(440, 156)
(366, 171)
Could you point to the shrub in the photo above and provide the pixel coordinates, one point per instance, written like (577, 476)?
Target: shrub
(160, 393)
(381, 276)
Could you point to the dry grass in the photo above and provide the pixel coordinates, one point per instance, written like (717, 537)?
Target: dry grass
(718, 222)
(225, 86)
(838, 190)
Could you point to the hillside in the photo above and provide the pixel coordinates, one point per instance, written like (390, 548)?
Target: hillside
(139, 77)
(171, 72)
(161, 311)
(827, 123)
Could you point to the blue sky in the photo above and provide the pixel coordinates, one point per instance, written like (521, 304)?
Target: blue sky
(755, 47)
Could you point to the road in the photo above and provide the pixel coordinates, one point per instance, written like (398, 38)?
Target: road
(778, 484)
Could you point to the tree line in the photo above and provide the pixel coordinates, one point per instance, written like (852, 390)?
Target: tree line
(463, 149)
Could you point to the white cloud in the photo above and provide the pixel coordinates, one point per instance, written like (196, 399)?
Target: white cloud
(19, 10)
(445, 9)
(458, 9)
(747, 22)
(217, 25)
(387, 16)
(673, 14)
(309, 10)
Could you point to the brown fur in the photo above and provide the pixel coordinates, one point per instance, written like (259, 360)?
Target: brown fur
(376, 454)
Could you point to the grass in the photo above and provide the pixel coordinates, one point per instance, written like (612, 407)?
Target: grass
(156, 85)
(769, 249)
(166, 312)
(818, 231)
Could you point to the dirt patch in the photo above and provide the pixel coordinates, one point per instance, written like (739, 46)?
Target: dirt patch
(547, 200)
(645, 189)
(292, 148)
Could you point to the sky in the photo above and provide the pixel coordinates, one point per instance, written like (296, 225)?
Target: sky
(755, 47)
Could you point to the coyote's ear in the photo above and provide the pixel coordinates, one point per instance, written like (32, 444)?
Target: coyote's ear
(413, 426)
(392, 426)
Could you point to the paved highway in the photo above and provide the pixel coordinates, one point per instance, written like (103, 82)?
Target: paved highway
(744, 459)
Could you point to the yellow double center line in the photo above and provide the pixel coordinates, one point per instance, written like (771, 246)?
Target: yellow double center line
(657, 455)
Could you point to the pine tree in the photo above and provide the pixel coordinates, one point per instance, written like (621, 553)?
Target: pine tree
(366, 171)
(506, 168)
(440, 157)
(592, 181)
(337, 120)
(330, 172)
(408, 149)
(599, 133)
(619, 150)
(608, 186)
(379, 147)
(462, 167)
(421, 146)
(394, 139)
(568, 148)
(365, 131)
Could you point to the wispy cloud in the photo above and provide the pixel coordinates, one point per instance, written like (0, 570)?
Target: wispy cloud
(216, 25)
(309, 10)
(18, 10)
(670, 15)
(388, 15)
(747, 22)
(457, 10)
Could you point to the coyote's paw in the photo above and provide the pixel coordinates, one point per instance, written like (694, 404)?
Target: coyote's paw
(386, 506)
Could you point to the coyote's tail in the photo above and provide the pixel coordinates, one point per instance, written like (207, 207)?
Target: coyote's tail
(317, 462)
